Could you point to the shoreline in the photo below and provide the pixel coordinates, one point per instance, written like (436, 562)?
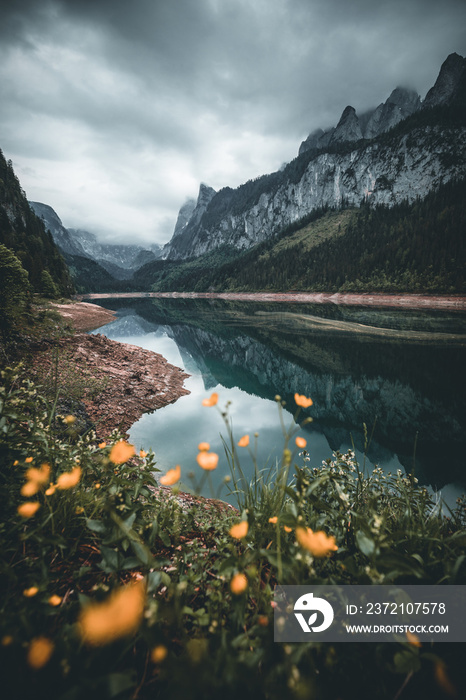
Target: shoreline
(452, 302)
(135, 381)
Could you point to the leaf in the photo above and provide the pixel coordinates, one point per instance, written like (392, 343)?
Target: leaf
(398, 563)
(165, 537)
(458, 564)
(110, 559)
(129, 521)
(96, 526)
(154, 580)
(143, 553)
(365, 543)
(228, 563)
(130, 563)
(316, 483)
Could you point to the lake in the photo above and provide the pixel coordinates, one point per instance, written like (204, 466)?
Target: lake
(394, 377)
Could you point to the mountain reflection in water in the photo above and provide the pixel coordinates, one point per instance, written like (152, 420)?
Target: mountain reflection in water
(400, 373)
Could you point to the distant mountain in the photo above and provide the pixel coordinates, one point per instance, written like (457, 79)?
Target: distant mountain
(401, 150)
(125, 257)
(119, 261)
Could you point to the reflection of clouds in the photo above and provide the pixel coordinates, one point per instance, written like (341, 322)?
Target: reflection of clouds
(175, 431)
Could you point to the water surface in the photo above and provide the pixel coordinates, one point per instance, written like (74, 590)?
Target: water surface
(398, 373)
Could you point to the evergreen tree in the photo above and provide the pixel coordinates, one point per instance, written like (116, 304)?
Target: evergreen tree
(14, 289)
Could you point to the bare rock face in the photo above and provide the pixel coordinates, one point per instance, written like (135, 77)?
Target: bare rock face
(184, 216)
(312, 141)
(451, 75)
(401, 104)
(176, 248)
(348, 128)
(350, 163)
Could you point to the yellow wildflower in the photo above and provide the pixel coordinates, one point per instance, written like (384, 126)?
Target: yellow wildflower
(121, 452)
(238, 584)
(171, 477)
(207, 460)
(303, 401)
(301, 442)
(102, 445)
(28, 460)
(203, 447)
(244, 442)
(51, 490)
(69, 420)
(443, 680)
(119, 616)
(27, 510)
(69, 479)
(55, 600)
(239, 530)
(30, 592)
(158, 653)
(286, 528)
(212, 400)
(142, 454)
(413, 639)
(30, 488)
(273, 520)
(317, 543)
(39, 476)
(39, 652)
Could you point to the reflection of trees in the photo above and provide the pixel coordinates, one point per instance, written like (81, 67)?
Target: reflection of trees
(404, 388)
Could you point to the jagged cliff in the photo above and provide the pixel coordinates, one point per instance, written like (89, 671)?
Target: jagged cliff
(362, 158)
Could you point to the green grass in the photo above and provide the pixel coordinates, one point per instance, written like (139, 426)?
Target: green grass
(203, 624)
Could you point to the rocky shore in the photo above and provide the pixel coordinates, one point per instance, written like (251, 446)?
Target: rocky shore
(133, 380)
(136, 381)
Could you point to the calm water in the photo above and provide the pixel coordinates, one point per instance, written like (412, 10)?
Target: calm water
(400, 373)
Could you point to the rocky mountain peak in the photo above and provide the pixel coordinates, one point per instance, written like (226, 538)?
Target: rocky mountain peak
(406, 99)
(184, 216)
(447, 84)
(348, 128)
(401, 104)
(312, 141)
(205, 195)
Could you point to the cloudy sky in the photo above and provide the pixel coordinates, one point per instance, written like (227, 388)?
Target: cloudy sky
(113, 111)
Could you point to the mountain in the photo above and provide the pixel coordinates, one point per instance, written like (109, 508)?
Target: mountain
(23, 233)
(61, 235)
(401, 150)
(123, 258)
(189, 219)
(119, 261)
(407, 247)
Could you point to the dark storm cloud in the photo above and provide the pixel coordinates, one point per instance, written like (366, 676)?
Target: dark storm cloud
(133, 104)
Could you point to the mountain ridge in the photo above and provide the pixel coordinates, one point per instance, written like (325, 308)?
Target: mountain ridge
(417, 146)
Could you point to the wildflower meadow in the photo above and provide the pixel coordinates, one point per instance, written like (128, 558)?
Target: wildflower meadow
(112, 587)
